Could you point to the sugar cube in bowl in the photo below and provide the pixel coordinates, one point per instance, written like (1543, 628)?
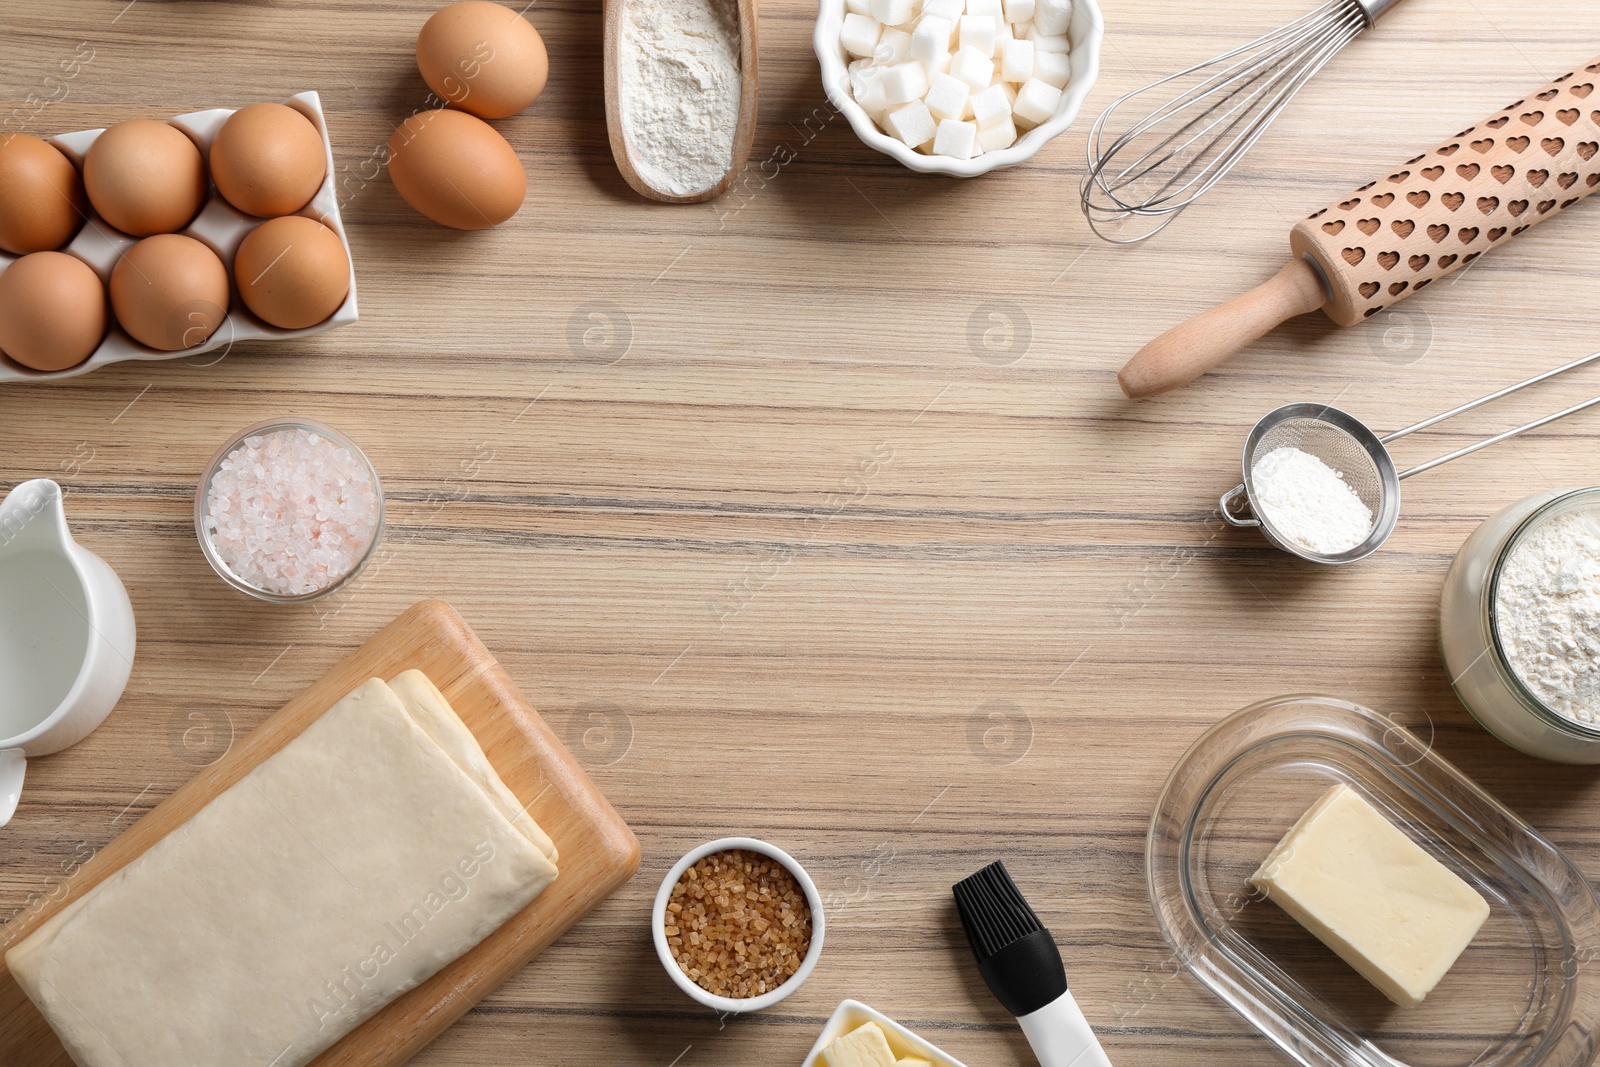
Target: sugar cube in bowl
(1026, 65)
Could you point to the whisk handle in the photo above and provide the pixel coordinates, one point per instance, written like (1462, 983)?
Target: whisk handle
(1191, 349)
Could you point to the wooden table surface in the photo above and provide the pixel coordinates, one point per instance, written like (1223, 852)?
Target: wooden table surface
(814, 513)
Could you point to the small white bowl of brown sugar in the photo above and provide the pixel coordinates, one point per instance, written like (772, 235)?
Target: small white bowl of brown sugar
(738, 924)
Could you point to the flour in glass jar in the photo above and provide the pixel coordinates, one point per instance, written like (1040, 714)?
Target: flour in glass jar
(1547, 614)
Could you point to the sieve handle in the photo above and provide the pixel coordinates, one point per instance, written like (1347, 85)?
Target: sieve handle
(1228, 515)
(1491, 398)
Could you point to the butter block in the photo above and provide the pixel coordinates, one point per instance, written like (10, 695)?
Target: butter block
(865, 1046)
(1372, 895)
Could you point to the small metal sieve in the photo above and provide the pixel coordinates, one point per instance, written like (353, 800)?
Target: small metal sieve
(1350, 447)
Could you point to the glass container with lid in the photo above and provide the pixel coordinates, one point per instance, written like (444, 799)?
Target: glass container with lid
(1470, 634)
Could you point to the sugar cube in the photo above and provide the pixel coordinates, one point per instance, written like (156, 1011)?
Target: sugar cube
(949, 10)
(858, 7)
(1036, 101)
(972, 67)
(990, 106)
(905, 82)
(947, 96)
(931, 39)
(955, 138)
(912, 124)
(992, 8)
(860, 34)
(874, 101)
(1002, 134)
(1016, 61)
(892, 12)
(1052, 16)
(1002, 32)
(1019, 11)
(1044, 42)
(1053, 68)
(979, 32)
(894, 46)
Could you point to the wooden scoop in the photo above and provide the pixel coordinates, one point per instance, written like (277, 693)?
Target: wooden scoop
(1396, 236)
(743, 135)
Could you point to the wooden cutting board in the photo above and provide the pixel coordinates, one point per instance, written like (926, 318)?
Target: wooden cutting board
(598, 853)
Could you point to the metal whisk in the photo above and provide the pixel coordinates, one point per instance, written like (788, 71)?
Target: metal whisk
(1178, 152)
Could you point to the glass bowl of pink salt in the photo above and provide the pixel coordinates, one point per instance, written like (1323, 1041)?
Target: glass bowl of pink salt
(288, 511)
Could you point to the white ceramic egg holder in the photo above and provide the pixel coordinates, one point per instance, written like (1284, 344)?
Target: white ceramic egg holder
(219, 226)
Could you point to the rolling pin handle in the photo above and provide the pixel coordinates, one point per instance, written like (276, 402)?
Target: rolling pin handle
(1188, 350)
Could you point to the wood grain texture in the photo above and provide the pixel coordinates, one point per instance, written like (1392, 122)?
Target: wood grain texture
(598, 851)
(814, 512)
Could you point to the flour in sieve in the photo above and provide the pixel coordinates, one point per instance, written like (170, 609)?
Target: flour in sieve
(1547, 611)
(680, 90)
(1308, 502)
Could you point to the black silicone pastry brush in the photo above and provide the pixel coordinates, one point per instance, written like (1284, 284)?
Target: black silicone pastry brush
(1022, 966)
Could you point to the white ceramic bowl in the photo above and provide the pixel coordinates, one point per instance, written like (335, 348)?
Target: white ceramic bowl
(658, 924)
(1086, 33)
(851, 1014)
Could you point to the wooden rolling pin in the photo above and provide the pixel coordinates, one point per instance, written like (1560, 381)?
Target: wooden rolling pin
(1398, 235)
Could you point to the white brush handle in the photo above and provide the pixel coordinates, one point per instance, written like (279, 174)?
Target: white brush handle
(1062, 1037)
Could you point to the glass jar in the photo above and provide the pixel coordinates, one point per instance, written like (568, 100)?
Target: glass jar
(1469, 635)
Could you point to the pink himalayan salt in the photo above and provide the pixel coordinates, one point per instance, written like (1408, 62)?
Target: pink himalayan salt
(291, 512)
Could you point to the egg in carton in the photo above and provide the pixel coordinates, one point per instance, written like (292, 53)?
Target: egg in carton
(219, 226)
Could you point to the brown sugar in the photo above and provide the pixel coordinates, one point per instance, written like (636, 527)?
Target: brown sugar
(738, 924)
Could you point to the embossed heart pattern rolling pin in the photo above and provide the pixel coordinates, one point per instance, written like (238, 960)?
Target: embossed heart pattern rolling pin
(1396, 236)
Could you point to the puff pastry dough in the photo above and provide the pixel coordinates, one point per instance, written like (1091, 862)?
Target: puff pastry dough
(352, 865)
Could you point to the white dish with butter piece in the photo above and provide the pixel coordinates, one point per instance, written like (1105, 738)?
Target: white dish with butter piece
(904, 1044)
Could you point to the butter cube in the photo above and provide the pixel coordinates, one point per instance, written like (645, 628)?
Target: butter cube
(972, 67)
(949, 10)
(1052, 68)
(978, 32)
(931, 39)
(956, 139)
(865, 1046)
(1019, 11)
(1036, 101)
(1372, 895)
(947, 96)
(892, 12)
(894, 46)
(905, 82)
(1052, 16)
(1016, 61)
(912, 124)
(859, 35)
(990, 107)
(1002, 134)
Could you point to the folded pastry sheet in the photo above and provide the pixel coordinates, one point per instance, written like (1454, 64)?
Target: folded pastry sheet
(371, 851)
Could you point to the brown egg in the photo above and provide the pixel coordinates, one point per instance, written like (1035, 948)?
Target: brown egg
(52, 311)
(293, 272)
(268, 160)
(456, 170)
(483, 58)
(41, 195)
(145, 177)
(169, 292)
